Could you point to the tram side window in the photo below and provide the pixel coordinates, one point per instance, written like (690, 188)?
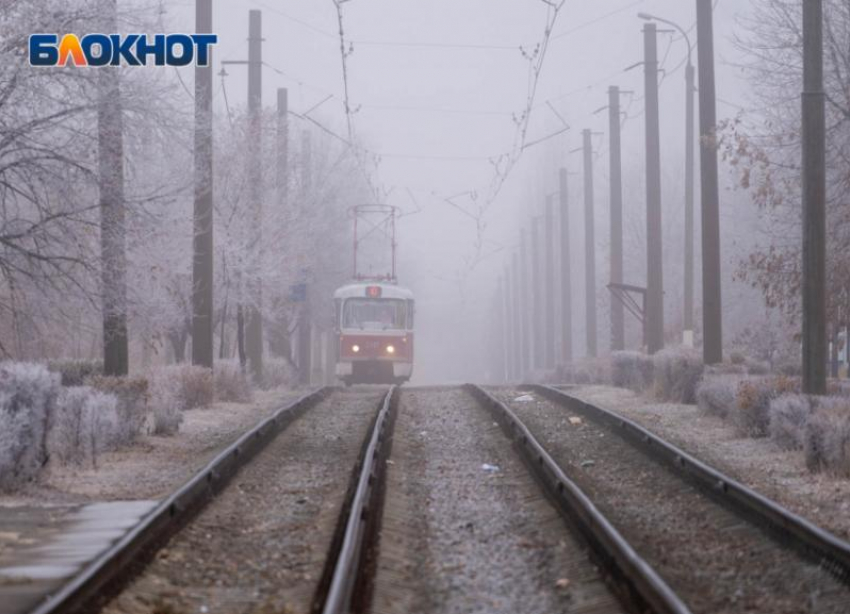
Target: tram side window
(411, 312)
(375, 314)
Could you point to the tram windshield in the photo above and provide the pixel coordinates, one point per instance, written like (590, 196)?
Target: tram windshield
(375, 314)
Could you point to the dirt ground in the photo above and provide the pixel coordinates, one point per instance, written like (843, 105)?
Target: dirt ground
(154, 466)
(759, 463)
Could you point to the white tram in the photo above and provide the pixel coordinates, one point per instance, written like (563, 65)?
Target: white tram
(374, 324)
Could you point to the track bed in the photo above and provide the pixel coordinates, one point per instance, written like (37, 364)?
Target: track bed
(716, 561)
(466, 529)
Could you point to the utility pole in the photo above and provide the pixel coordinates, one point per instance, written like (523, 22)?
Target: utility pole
(113, 231)
(282, 179)
(305, 336)
(655, 257)
(566, 272)
(550, 283)
(527, 359)
(690, 90)
(590, 245)
(814, 202)
(254, 328)
(537, 294)
(502, 317)
(510, 341)
(516, 322)
(202, 262)
(711, 287)
(618, 325)
(689, 204)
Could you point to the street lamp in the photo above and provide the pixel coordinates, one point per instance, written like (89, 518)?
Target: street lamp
(689, 180)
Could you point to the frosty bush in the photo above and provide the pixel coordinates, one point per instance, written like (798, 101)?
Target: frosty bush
(75, 372)
(827, 437)
(85, 424)
(752, 410)
(131, 410)
(717, 394)
(28, 396)
(677, 373)
(788, 417)
(277, 373)
(231, 384)
(632, 370)
(165, 406)
(586, 372)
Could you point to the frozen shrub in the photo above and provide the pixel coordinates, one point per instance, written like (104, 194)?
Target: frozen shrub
(75, 372)
(85, 424)
(586, 372)
(132, 395)
(231, 384)
(165, 405)
(725, 369)
(191, 387)
(677, 374)
(737, 358)
(827, 437)
(788, 417)
(790, 369)
(752, 411)
(28, 394)
(632, 370)
(755, 367)
(277, 373)
(717, 394)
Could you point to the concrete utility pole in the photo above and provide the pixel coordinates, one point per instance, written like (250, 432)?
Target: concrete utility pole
(510, 341)
(590, 245)
(654, 251)
(551, 297)
(566, 272)
(202, 262)
(690, 90)
(516, 323)
(502, 327)
(254, 329)
(282, 179)
(305, 336)
(618, 324)
(814, 202)
(711, 287)
(113, 231)
(537, 294)
(525, 310)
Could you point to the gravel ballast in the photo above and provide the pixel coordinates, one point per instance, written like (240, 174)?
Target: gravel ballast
(465, 527)
(261, 546)
(715, 561)
(760, 464)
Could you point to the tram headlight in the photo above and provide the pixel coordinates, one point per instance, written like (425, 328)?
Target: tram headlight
(390, 349)
(355, 348)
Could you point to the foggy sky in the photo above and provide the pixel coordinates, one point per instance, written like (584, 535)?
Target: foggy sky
(427, 109)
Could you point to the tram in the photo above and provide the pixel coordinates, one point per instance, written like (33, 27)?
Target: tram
(374, 322)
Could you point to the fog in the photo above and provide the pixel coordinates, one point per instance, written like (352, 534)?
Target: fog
(460, 114)
(436, 88)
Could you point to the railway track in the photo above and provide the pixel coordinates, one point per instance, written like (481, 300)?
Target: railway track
(719, 545)
(458, 500)
(469, 522)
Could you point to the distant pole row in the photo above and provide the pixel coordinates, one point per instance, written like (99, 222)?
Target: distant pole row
(537, 314)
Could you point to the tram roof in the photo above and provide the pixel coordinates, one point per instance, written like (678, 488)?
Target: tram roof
(361, 290)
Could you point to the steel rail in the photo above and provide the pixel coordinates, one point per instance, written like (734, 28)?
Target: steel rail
(360, 516)
(820, 546)
(104, 576)
(644, 586)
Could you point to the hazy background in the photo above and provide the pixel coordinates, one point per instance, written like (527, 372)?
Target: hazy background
(436, 86)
